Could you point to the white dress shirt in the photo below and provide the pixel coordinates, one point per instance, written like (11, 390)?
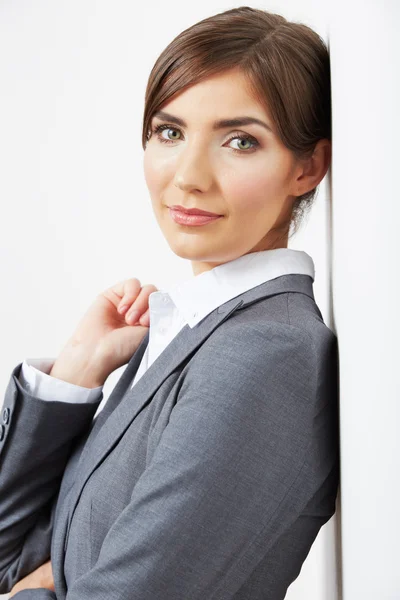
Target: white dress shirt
(171, 309)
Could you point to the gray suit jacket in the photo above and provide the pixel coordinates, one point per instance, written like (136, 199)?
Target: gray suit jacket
(209, 480)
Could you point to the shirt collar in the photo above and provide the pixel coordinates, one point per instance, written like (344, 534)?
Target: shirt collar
(199, 295)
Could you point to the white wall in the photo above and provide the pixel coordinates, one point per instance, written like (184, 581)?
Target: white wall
(365, 55)
(76, 214)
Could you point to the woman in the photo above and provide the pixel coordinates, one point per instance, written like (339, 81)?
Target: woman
(214, 463)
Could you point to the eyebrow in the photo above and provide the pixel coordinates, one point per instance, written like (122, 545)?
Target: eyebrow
(221, 124)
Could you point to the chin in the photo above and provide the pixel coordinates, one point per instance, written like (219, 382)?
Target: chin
(186, 253)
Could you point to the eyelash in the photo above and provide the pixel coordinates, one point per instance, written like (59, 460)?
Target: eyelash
(237, 135)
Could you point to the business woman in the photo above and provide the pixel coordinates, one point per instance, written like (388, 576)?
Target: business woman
(214, 462)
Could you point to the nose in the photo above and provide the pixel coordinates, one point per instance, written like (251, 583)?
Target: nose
(193, 170)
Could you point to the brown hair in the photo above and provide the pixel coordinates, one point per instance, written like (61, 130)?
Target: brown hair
(287, 65)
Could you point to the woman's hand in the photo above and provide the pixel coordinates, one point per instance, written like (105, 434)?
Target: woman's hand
(42, 577)
(107, 336)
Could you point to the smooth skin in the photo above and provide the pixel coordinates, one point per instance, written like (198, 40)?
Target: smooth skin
(252, 186)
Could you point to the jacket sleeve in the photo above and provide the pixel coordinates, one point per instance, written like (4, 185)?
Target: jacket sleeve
(245, 472)
(36, 438)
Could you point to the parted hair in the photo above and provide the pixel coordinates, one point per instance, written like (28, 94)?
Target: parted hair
(286, 63)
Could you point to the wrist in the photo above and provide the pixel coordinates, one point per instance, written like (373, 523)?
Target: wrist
(79, 365)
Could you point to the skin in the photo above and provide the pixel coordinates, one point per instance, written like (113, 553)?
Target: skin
(42, 577)
(253, 188)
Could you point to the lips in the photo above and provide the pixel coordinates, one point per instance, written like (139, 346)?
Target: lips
(194, 211)
(186, 219)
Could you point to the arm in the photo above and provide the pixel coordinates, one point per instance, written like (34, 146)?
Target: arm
(238, 476)
(36, 445)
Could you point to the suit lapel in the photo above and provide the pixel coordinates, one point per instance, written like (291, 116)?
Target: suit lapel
(116, 395)
(124, 404)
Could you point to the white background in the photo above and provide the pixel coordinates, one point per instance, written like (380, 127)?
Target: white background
(76, 217)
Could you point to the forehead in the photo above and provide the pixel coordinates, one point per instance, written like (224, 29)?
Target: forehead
(220, 96)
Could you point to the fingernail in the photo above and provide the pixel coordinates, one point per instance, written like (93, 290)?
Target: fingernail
(122, 308)
(133, 315)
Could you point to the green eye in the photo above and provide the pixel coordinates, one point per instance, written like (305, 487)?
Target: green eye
(176, 135)
(173, 130)
(157, 131)
(245, 140)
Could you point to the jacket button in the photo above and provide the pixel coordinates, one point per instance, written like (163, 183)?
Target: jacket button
(6, 415)
(1, 432)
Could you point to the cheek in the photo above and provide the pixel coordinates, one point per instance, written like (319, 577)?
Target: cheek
(155, 172)
(254, 185)
(150, 172)
(248, 193)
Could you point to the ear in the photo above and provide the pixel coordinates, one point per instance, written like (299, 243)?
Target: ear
(314, 169)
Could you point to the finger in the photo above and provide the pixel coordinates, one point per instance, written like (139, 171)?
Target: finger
(145, 318)
(47, 576)
(140, 304)
(132, 289)
(116, 292)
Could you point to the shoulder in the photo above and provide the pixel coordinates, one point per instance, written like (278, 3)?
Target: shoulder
(303, 312)
(280, 340)
(260, 335)
(263, 375)
(265, 328)
(288, 317)
(254, 355)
